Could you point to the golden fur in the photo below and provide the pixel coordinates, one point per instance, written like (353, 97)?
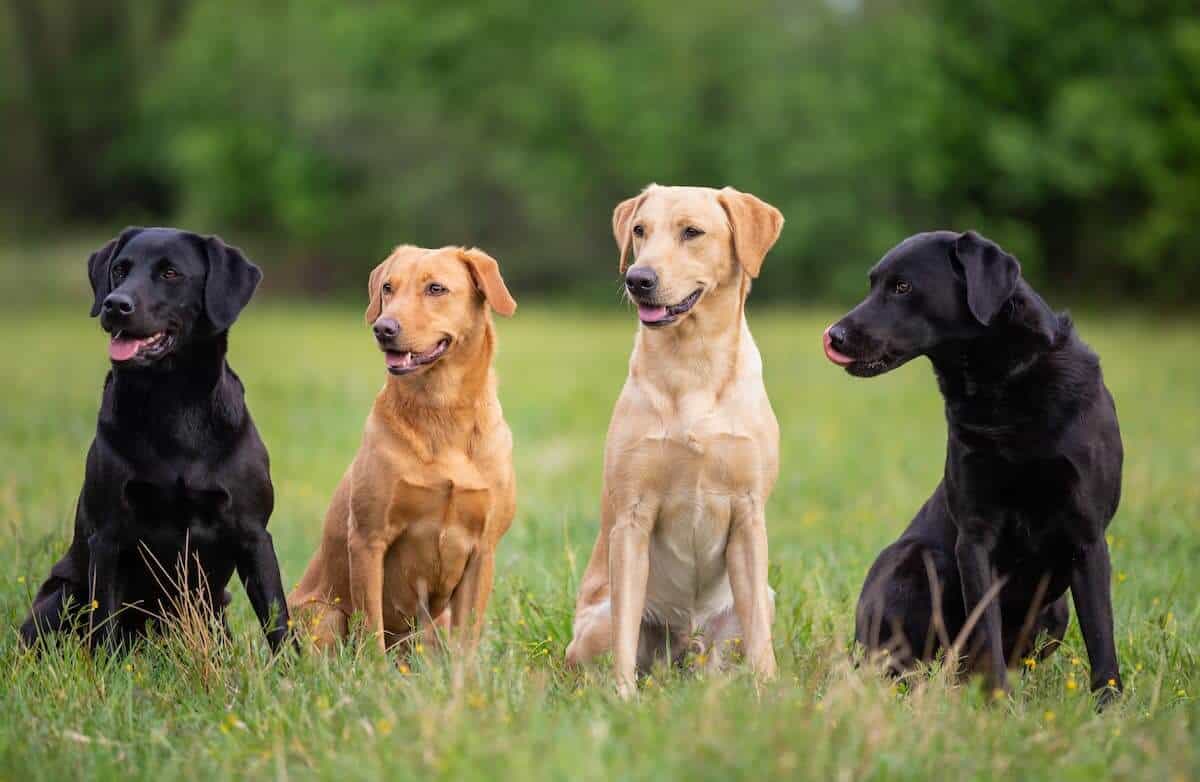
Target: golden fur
(411, 533)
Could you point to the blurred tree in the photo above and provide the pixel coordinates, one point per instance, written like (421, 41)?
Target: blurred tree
(1066, 130)
(84, 64)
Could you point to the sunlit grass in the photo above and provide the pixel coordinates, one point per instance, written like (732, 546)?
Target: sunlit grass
(858, 459)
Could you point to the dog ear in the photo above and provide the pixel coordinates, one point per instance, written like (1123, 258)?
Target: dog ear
(486, 273)
(990, 273)
(98, 264)
(231, 281)
(622, 223)
(374, 289)
(756, 226)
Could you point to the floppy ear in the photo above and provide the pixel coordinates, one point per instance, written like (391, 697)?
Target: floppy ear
(231, 281)
(622, 223)
(98, 266)
(991, 274)
(486, 273)
(375, 295)
(756, 226)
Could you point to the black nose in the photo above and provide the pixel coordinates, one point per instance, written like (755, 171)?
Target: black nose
(837, 336)
(118, 303)
(641, 280)
(386, 329)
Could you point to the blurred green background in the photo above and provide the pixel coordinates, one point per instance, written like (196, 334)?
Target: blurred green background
(319, 133)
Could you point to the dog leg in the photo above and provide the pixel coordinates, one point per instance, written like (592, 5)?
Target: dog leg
(470, 598)
(1091, 586)
(746, 559)
(46, 616)
(366, 579)
(259, 570)
(591, 634)
(104, 554)
(629, 569)
(975, 570)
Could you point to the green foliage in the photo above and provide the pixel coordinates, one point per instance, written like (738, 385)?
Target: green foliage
(858, 458)
(1069, 131)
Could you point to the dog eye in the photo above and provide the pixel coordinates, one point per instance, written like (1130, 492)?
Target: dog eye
(639, 231)
(436, 289)
(902, 287)
(691, 232)
(169, 273)
(387, 288)
(120, 270)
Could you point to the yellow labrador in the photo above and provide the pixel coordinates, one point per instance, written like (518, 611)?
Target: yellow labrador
(693, 446)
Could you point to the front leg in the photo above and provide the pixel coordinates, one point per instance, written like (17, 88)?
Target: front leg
(470, 598)
(975, 571)
(104, 588)
(746, 560)
(1091, 584)
(258, 568)
(628, 571)
(366, 550)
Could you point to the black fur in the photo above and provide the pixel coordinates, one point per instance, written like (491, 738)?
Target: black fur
(177, 470)
(1033, 461)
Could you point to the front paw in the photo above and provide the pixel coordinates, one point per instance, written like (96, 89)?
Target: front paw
(764, 666)
(626, 686)
(1107, 691)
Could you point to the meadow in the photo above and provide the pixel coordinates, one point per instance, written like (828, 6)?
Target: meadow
(859, 457)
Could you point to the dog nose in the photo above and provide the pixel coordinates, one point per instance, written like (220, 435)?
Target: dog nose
(386, 329)
(837, 336)
(118, 303)
(641, 280)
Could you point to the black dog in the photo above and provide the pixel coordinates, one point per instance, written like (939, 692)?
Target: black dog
(177, 490)
(1033, 461)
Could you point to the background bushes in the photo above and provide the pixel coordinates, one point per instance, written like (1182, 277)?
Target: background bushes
(325, 131)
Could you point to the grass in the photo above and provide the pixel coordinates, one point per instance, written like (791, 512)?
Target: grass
(858, 459)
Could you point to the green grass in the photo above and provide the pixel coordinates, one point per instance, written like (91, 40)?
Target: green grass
(858, 459)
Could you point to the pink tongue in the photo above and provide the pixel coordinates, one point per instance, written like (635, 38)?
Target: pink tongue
(831, 353)
(651, 314)
(399, 360)
(123, 348)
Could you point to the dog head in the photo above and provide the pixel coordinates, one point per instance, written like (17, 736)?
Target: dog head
(425, 302)
(687, 242)
(929, 290)
(160, 290)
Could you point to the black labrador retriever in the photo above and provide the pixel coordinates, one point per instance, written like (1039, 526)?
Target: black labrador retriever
(1033, 462)
(177, 490)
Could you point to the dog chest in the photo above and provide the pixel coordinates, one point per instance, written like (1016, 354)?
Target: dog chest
(174, 512)
(436, 524)
(688, 580)
(691, 461)
(443, 502)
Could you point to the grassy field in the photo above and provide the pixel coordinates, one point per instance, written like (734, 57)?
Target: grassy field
(858, 459)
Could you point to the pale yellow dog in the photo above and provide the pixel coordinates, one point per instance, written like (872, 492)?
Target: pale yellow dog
(693, 448)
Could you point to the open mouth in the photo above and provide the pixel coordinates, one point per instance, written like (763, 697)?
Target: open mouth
(655, 315)
(123, 347)
(403, 362)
